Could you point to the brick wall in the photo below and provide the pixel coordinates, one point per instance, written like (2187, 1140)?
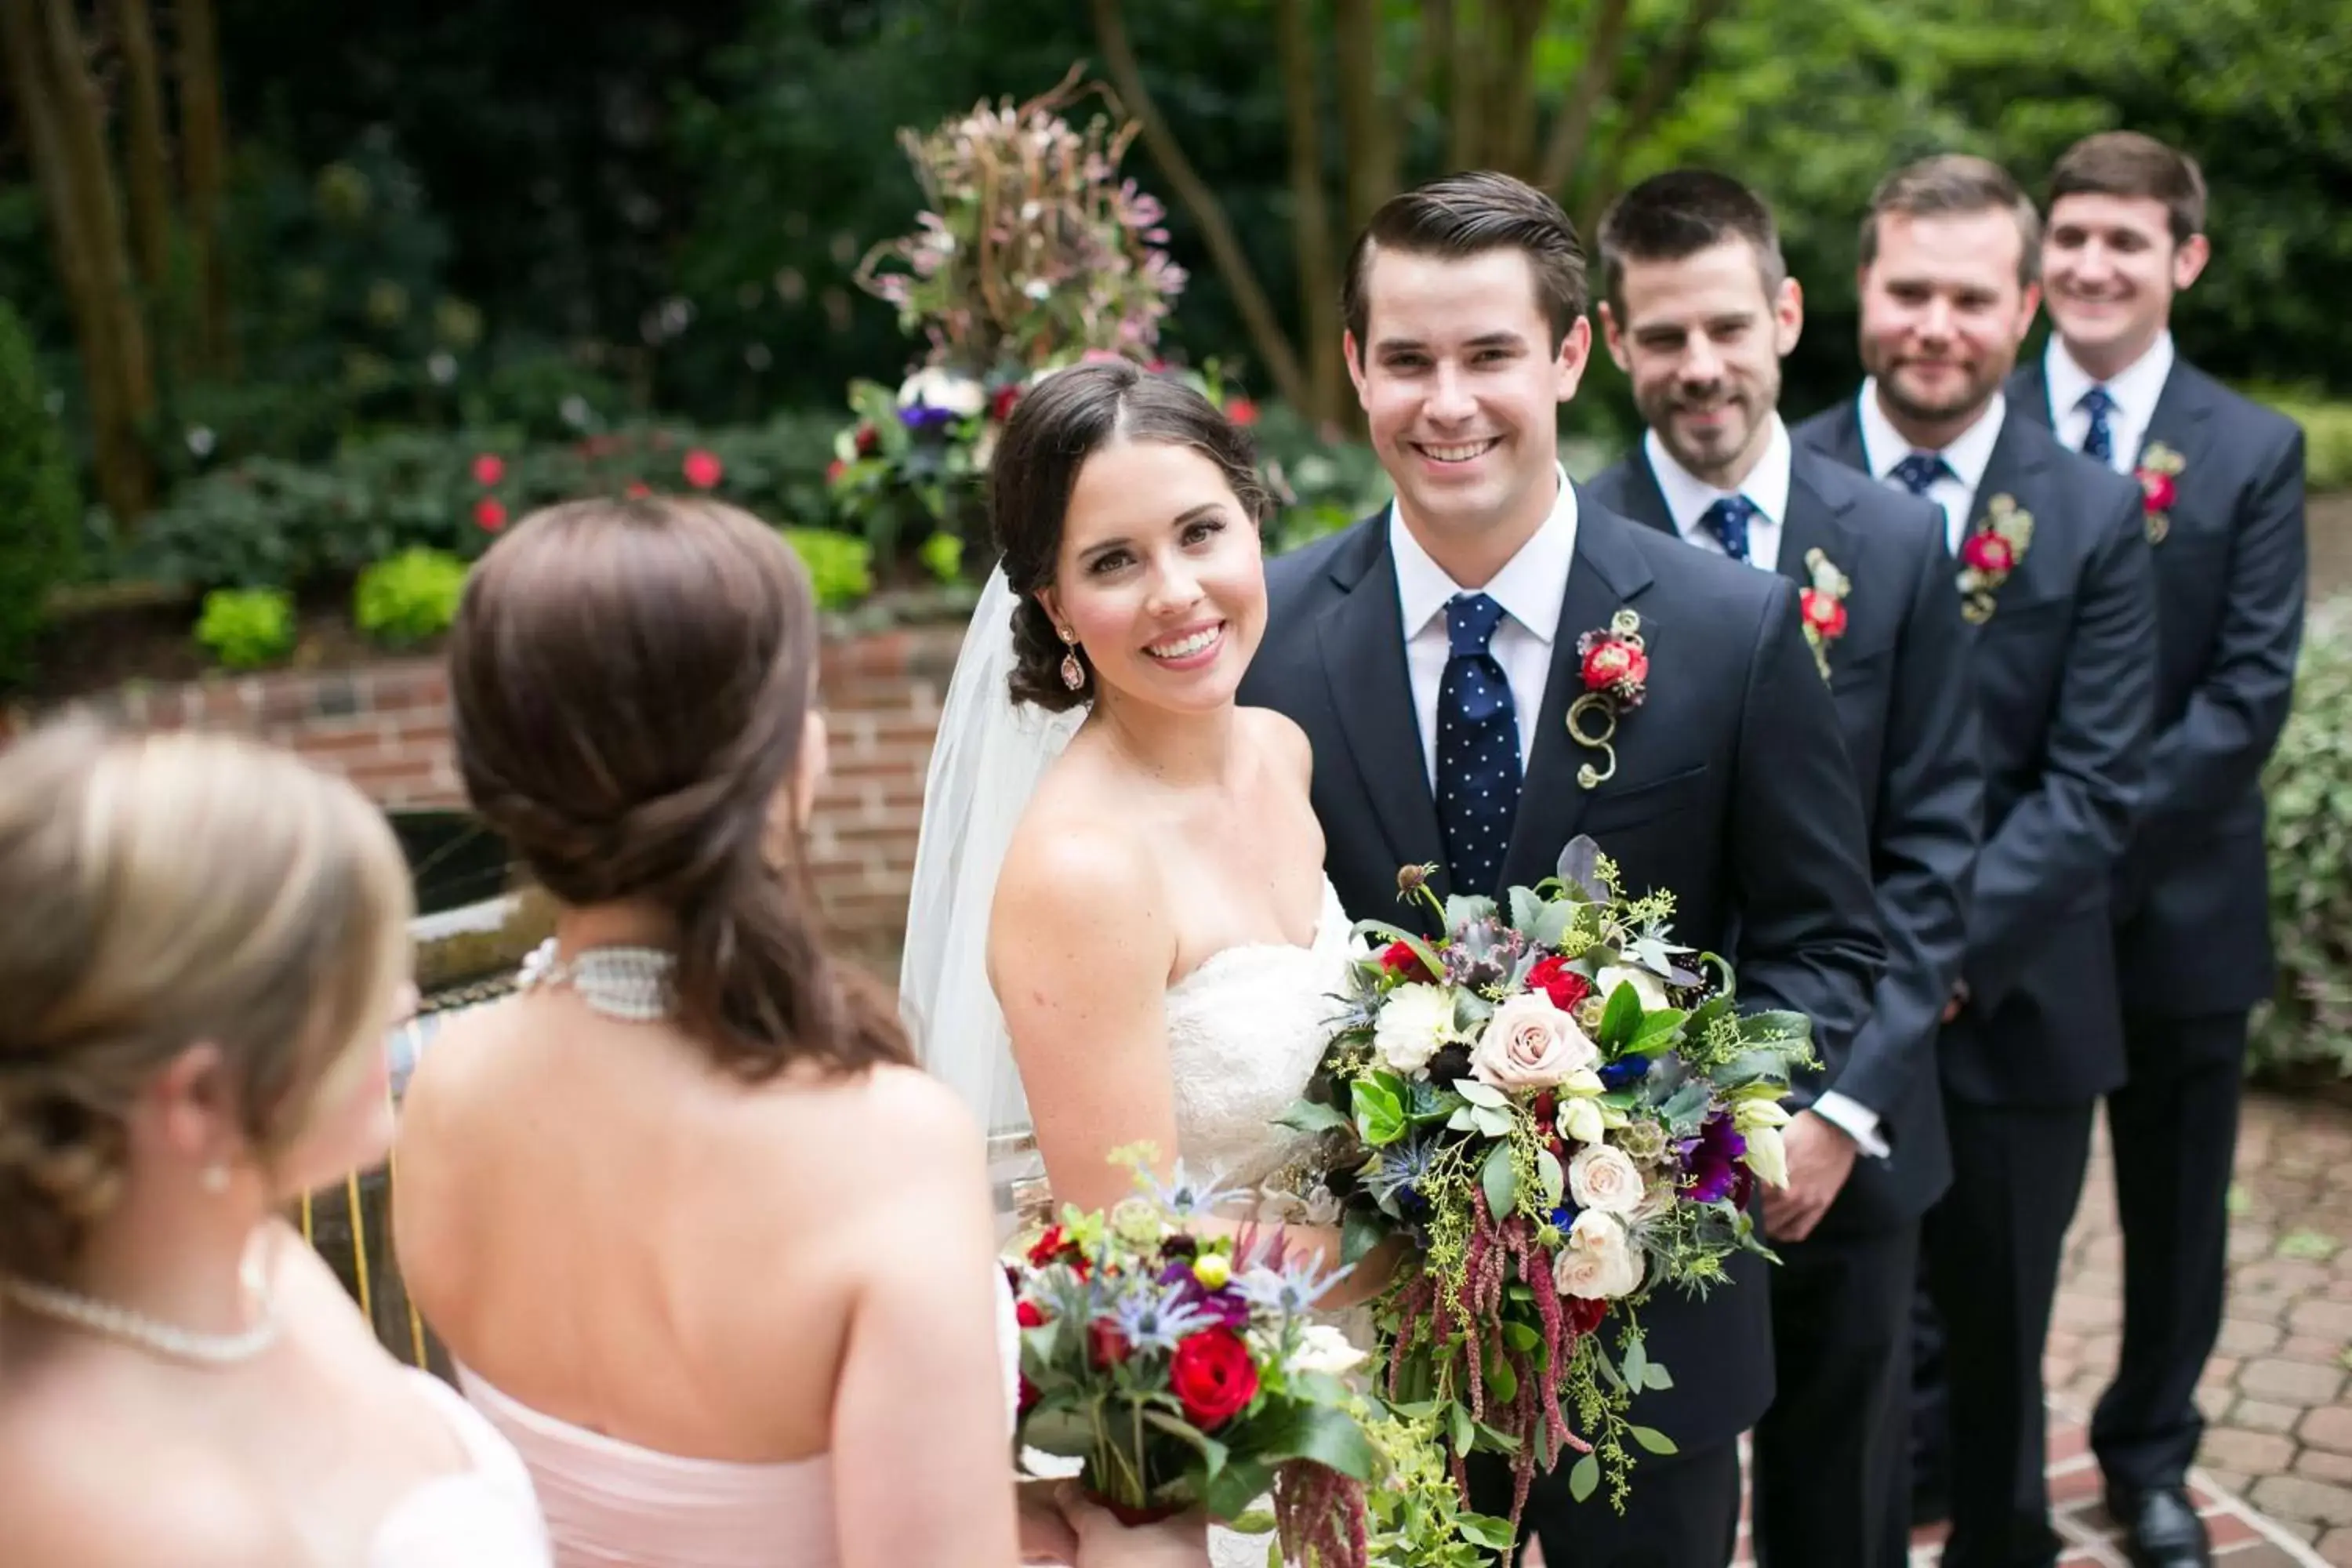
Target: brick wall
(386, 728)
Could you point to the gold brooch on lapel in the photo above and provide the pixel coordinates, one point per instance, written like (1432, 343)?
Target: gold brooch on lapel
(1616, 669)
(1823, 605)
(2159, 465)
(1991, 553)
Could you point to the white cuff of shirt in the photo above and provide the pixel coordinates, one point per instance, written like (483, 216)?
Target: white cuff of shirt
(1853, 1119)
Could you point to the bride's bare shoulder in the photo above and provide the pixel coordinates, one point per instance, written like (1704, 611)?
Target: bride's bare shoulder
(1285, 744)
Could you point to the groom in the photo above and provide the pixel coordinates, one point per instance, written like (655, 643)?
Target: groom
(1430, 652)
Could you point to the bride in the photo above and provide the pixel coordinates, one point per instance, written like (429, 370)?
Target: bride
(1120, 890)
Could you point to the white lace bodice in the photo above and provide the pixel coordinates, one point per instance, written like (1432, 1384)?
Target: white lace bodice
(1244, 1033)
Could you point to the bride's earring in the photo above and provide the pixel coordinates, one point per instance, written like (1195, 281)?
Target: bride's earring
(1073, 674)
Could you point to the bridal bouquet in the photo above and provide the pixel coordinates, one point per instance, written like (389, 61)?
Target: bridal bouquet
(1185, 1372)
(1552, 1109)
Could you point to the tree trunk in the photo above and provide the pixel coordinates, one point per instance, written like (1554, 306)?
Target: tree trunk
(203, 151)
(1668, 74)
(1367, 115)
(1466, 93)
(1604, 45)
(1512, 27)
(1310, 213)
(145, 166)
(1216, 229)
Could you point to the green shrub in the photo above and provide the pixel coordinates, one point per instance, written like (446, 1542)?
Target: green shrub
(247, 629)
(2327, 433)
(410, 597)
(2308, 1022)
(943, 556)
(39, 513)
(840, 568)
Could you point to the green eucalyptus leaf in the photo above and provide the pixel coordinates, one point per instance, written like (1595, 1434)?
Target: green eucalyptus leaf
(1500, 1181)
(1358, 1234)
(1554, 1180)
(1621, 1017)
(1485, 1095)
(1584, 1480)
(1655, 1441)
(1658, 1378)
(1483, 1530)
(1312, 1116)
(1527, 910)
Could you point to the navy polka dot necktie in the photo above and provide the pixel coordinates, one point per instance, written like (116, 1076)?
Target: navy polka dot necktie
(1919, 472)
(1728, 519)
(2099, 441)
(1477, 748)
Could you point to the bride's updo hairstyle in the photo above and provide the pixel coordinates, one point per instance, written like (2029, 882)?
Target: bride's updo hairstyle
(1063, 421)
(159, 892)
(632, 680)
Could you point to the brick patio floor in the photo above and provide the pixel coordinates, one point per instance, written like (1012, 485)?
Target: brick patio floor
(2274, 1475)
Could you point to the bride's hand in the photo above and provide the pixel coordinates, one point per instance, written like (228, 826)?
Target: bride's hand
(1104, 1543)
(1046, 1535)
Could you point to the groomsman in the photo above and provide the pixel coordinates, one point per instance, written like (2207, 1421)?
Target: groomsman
(2053, 568)
(1429, 653)
(2223, 489)
(1698, 310)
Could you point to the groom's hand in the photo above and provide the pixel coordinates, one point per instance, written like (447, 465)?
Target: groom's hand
(1821, 1157)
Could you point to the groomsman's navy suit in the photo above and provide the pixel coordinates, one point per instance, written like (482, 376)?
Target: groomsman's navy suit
(1832, 1481)
(1730, 788)
(2192, 914)
(2065, 673)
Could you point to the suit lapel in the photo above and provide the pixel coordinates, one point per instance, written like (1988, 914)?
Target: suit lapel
(1607, 574)
(1842, 439)
(2028, 392)
(2021, 454)
(1645, 502)
(1361, 641)
(1813, 523)
(2180, 419)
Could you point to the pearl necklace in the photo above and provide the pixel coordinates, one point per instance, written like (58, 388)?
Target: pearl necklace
(631, 984)
(167, 1339)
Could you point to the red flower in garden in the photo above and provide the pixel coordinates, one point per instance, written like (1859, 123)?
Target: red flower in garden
(1241, 410)
(833, 471)
(1000, 407)
(489, 469)
(489, 514)
(1987, 552)
(1822, 612)
(638, 490)
(1555, 979)
(869, 440)
(702, 469)
(1212, 1376)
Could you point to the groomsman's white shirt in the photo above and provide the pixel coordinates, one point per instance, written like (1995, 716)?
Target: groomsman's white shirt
(2134, 392)
(1529, 588)
(1767, 489)
(1883, 446)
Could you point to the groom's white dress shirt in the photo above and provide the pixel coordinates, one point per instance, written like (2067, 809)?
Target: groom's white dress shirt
(1529, 588)
(2133, 394)
(1687, 497)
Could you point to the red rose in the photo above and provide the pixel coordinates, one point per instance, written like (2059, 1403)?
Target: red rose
(1555, 979)
(1029, 1395)
(2158, 488)
(1029, 1315)
(1107, 1345)
(1212, 1376)
(702, 469)
(1988, 553)
(1241, 411)
(638, 490)
(869, 440)
(1583, 1314)
(489, 469)
(1823, 614)
(1399, 958)
(1000, 407)
(489, 514)
(1048, 1246)
(1615, 663)
(833, 471)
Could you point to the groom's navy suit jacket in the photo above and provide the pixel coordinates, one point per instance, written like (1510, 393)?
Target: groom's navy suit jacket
(1908, 713)
(2193, 896)
(1731, 789)
(2066, 671)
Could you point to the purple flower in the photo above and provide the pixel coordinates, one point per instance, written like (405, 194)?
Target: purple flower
(1711, 1160)
(921, 416)
(1216, 1306)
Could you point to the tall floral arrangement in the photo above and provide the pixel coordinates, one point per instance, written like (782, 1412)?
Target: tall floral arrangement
(1032, 252)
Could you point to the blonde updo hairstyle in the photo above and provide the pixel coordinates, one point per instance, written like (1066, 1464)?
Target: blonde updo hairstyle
(158, 892)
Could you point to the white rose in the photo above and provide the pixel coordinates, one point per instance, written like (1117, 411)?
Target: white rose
(1579, 1122)
(1605, 1178)
(1648, 987)
(1415, 1020)
(1600, 1262)
(1530, 1044)
(934, 387)
(1322, 1348)
(1767, 1156)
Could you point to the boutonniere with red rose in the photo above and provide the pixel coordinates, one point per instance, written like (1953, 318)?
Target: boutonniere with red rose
(1616, 671)
(1991, 553)
(1823, 607)
(2159, 468)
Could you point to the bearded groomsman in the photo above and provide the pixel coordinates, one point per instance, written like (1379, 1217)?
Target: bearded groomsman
(2223, 485)
(2052, 566)
(1699, 310)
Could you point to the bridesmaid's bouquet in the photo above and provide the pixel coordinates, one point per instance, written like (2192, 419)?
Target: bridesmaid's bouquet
(1552, 1110)
(1186, 1371)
